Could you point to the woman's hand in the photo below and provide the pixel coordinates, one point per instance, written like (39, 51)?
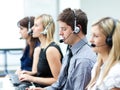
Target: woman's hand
(18, 71)
(25, 77)
(24, 72)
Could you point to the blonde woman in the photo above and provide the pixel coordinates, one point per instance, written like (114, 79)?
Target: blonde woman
(105, 41)
(50, 54)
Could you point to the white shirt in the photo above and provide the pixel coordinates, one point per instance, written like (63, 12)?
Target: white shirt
(112, 80)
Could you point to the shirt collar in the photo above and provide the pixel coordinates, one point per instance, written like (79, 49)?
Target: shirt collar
(78, 45)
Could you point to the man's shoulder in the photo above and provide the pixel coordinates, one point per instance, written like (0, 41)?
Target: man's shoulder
(86, 50)
(87, 53)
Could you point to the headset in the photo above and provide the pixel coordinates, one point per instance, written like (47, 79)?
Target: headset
(76, 28)
(109, 37)
(29, 26)
(46, 28)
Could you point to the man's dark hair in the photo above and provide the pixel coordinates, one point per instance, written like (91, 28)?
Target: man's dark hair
(68, 16)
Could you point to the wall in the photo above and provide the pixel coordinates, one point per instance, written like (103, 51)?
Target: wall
(37, 7)
(97, 9)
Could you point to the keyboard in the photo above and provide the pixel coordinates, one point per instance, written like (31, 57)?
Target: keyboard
(14, 79)
(17, 83)
(22, 86)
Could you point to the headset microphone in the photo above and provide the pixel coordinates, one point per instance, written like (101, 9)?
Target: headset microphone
(61, 40)
(93, 45)
(20, 38)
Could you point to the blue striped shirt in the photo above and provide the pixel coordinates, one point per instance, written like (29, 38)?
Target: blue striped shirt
(79, 72)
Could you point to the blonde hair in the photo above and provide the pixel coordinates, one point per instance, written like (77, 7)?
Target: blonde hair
(106, 26)
(48, 22)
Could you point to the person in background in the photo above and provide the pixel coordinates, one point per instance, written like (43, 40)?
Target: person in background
(50, 55)
(105, 41)
(27, 63)
(76, 71)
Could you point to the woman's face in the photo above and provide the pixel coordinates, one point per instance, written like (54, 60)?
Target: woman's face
(24, 32)
(37, 28)
(98, 39)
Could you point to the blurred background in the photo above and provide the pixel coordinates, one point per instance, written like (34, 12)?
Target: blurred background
(13, 10)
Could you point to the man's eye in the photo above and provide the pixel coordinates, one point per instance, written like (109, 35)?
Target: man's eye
(35, 25)
(63, 29)
(92, 35)
(96, 36)
(21, 28)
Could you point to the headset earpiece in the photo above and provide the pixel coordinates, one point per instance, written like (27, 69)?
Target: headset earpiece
(109, 41)
(44, 32)
(76, 28)
(109, 37)
(46, 28)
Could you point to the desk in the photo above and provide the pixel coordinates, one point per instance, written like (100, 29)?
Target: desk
(4, 51)
(5, 84)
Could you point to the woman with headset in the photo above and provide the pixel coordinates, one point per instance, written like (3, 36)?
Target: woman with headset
(105, 41)
(49, 52)
(27, 63)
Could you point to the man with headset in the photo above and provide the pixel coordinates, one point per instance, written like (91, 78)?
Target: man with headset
(76, 71)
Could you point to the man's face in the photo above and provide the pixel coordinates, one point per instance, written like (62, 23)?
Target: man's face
(66, 32)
